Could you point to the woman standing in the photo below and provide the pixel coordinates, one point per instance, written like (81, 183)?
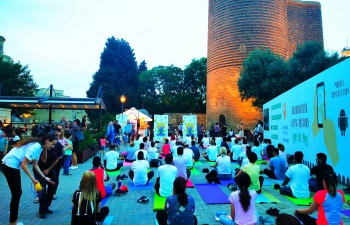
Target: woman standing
(179, 207)
(241, 130)
(25, 151)
(74, 129)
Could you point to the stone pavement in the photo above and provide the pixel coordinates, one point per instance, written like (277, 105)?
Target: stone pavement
(124, 208)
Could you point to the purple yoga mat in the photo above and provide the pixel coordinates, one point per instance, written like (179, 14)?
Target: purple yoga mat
(212, 194)
(346, 212)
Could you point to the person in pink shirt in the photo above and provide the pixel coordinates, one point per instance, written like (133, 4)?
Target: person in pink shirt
(166, 147)
(103, 142)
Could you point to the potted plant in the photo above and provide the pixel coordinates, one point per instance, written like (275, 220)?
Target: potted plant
(87, 148)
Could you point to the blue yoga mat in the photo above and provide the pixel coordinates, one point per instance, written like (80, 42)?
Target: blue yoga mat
(271, 182)
(212, 194)
(132, 187)
(104, 200)
(108, 220)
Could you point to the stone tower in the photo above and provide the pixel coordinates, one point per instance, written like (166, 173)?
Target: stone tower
(2, 40)
(237, 27)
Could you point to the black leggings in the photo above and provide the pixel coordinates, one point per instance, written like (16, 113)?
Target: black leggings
(162, 217)
(13, 177)
(306, 219)
(270, 173)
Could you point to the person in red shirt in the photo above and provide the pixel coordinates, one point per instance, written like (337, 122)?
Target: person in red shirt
(166, 147)
(101, 176)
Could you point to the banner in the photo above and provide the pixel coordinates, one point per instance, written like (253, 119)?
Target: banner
(313, 117)
(189, 125)
(160, 127)
(122, 120)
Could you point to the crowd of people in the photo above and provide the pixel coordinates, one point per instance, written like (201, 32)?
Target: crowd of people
(51, 152)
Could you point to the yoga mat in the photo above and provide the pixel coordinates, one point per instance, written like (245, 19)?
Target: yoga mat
(113, 173)
(156, 222)
(159, 202)
(199, 163)
(297, 201)
(212, 194)
(265, 197)
(108, 220)
(104, 200)
(346, 212)
(271, 182)
(194, 171)
(132, 187)
(261, 161)
(235, 165)
(127, 163)
(189, 184)
(211, 163)
(347, 197)
(226, 182)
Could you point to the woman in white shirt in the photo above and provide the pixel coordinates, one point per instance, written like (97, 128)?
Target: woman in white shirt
(222, 165)
(211, 153)
(28, 150)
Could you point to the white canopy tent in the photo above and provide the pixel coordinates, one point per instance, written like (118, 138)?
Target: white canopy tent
(134, 114)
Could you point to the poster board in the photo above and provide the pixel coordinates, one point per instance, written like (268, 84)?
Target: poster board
(122, 120)
(161, 127)
(189, 125)
(313, 117)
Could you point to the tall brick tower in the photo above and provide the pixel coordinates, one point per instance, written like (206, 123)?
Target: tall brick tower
(237, 27)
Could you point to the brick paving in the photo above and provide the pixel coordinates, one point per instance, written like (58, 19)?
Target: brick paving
(124, 208)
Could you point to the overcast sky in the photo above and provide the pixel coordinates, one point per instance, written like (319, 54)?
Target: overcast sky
(61, 41)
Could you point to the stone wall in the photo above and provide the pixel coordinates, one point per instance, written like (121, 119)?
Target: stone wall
(176, 118)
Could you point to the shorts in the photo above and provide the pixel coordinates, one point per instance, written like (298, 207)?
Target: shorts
(109, 190)
(103, 147)
(75, 146)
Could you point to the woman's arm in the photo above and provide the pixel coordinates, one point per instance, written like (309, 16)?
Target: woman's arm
(232, 211)
(24, 166)
(37, 169)
(312, 208)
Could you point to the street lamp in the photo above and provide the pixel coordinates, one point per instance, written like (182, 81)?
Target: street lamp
(122, 100)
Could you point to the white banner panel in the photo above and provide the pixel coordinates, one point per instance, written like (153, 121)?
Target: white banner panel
(161, 127)
(189, 125)
(313, 117)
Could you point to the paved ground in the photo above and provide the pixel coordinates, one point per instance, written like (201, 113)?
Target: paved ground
(124, 208)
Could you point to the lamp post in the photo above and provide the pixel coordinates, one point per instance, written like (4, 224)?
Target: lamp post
(122, 100)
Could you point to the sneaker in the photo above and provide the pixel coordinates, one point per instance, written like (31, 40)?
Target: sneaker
(42, 215)
(220, 213)
(118, 178)
(124, 177)
(273, 211)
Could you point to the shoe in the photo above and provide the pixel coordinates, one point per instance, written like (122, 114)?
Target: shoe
(42, 215)
(124, 177)
(273, 211)
(36, 200)
(232, 187)
(48, 211)
(143, 199)
(118, 178)
(220, 213)
(205, 170)
(54, 197)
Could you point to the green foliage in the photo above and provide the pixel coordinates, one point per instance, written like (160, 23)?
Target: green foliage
(88, 141)
(118, 75)
(266, 75)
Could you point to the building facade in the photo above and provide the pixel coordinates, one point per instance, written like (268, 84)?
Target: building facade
(237, 27)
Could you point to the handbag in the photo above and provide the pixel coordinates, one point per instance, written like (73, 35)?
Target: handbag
(80, 136)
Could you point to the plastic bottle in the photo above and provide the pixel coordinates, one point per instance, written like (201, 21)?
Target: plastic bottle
(119, 184)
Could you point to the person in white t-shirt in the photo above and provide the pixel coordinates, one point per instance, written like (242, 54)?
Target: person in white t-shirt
(205, 142)
(236, 150)
(211, 152)
(138, 172)
(245, 155)
(282, 153)
(244, 144)
(188, 139)
(223, 165)
(23, 152)
(188, 153)
(173, 150)
(298, 176)
(257, 149)
(111, 159)
(180, 162)
(145, 153)
(145, 143)
(153, 153)
(165, 177)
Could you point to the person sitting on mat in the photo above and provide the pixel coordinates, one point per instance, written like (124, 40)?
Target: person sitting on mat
(242, 203)
(166, 148)
(130, 153)
(298, 175)
(165, 177)
(87, 202)
(257, 149)
(253, 170)
(138, 171)
(223, 165)
(188, 153)
(244, 156)
(317, 184)
(145, 153)
(195, 151)
(153, 153)
(286, 219)
(205, 142)
(179, 207)
(101, 176)
(328, 202)
(180, 162)
(111, 159)
(277, 167)
(211, 152)
(235, 150)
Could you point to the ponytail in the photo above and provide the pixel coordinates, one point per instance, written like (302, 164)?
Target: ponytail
(331, 182)
(183, 199)
(244, 198)
(179, 189)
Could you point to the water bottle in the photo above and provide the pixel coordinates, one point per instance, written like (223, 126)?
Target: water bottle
(119, 184)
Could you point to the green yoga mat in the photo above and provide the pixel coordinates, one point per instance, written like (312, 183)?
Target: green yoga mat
(194, 171)
(304, 202)
(199, 163)
(159, 202)
(211, 163)
(113, 173)
(261, 161)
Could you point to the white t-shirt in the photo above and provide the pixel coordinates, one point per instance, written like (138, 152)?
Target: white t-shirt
(145, 154)
(112, 159)
(173, 150)
(137, 144)
(236, 150)
(152, 152)
(146, 145)
(16, 156)
(299, 176)
(180, 163)
(140, 172)
(223, 164)
(257, 151)
(205, 141)
(212, 153)
(188, 140)
(283, 155)
(245, 161)
(188, 153)
(244, 147)
(167, 174)
(242, 217)
(243, 155)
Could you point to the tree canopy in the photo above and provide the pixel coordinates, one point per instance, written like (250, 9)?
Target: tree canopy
(265, 75)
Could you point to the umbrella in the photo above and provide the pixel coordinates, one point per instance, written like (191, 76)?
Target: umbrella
(134, 114)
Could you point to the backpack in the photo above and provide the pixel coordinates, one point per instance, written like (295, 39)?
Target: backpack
(212, 176)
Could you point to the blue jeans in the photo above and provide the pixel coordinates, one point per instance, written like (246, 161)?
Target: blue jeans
(286, 191)
(227, 221)
(313, 185)
(66, 164)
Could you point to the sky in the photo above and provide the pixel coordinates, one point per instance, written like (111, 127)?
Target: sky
(61, 41)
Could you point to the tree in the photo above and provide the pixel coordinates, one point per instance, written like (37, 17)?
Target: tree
(118, 75)
(142, 67)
